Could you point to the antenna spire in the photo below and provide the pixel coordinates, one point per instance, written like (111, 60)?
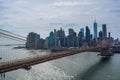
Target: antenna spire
(95, 19)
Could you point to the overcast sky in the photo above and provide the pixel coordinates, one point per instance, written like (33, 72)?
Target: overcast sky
(42, 16)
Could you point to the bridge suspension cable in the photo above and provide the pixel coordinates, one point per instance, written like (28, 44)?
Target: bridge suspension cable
(12, 33)
(5, 36)
(13, 36)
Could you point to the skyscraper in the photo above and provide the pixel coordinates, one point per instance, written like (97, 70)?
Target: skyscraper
(109, 34)
(51, 39)
(82, 30)
(71, 38)
(88, 37)
(100, 35)
(33, 40)
(61, 37)
(104, 29)
(71, 31)
(80, 38)
(55, 35)
(95, 29)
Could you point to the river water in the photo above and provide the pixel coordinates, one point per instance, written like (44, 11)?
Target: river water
(84, 66)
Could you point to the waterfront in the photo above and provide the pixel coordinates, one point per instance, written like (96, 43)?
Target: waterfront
(86, 66)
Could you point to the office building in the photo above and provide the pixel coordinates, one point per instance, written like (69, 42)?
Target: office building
(88, 37)
(104, 30)
(95, 30)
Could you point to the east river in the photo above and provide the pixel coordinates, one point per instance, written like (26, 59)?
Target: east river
(84, 66)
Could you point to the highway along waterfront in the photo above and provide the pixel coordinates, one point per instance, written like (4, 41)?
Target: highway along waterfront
(87, 66)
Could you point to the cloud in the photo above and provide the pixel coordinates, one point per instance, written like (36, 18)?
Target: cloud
(115, 10)
(116, 0)
(56, 24)
(42, 16)
(40, 19)
(64, 24)
(71, 3)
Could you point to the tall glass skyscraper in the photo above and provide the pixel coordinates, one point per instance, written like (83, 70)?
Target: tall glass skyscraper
(104, 28)
(88, 35)
(82, 30)
(95, 29)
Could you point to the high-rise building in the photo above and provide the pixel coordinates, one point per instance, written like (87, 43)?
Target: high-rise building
(80, 38)
(51, 39)
(60, 37)
(82, 30)
(33, 40)
(95, 29)
(71, 31)
(88, 37)
(109, 34)
(104, 28)
(46, 43)
(71, 38)
(55, 35)
(100, 35)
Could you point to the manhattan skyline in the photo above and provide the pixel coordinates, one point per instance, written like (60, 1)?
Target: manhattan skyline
(24, 16)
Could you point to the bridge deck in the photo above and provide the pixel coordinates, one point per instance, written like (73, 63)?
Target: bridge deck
(27, 62)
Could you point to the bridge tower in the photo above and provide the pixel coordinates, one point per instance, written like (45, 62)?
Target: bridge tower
(106, 49)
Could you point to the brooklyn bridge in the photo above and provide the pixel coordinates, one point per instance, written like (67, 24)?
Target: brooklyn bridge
(105, 48)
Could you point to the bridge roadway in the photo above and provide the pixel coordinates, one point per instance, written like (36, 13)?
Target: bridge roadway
(27, 62)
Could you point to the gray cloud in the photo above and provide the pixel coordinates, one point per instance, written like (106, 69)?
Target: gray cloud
(115, 10)
(41, 15)
(71, 3)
